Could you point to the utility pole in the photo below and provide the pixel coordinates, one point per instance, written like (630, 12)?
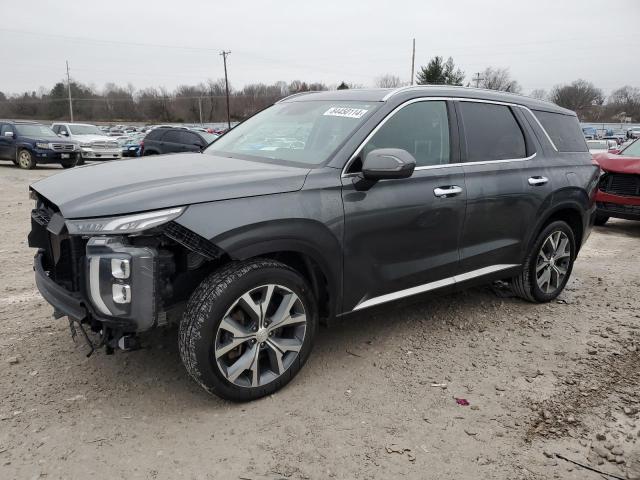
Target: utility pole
(477, 79)
(200, 107)
(413, 61)
(226, 84)
(69, 91)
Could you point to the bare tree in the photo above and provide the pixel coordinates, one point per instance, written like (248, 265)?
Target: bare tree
(624, 102)
(540, 94)
(580, 96)
(388, 81)
(499, 79)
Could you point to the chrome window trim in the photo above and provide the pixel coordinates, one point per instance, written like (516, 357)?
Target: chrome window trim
(444, 99)
(407, 292)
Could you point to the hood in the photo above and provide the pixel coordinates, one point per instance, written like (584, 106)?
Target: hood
(149, 183)
(618, 163)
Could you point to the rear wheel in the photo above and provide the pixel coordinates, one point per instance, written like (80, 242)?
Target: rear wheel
(248, 329)
(548, 265)
(600, 219)
(25, 160)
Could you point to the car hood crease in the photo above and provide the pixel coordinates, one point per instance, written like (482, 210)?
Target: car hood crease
(151, 183)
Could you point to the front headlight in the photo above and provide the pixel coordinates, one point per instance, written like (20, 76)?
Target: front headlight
(123, 224)
(85, 146)
(42, 146)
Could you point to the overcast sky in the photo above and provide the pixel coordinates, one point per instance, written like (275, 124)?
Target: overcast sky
(169, 42)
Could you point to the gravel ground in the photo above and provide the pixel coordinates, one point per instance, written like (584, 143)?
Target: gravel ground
(546, 385)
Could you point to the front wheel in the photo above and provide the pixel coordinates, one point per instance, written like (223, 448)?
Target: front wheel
(72, 162)
(548, 265)
(25, 160)
(248, 329)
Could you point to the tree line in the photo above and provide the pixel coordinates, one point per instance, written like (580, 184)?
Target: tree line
(206, 102)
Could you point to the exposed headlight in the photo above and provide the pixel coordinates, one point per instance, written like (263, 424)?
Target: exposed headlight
(123, 224)
(85, 146)
(42, 146)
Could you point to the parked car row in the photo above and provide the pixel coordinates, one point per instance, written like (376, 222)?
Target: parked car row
(28, 144)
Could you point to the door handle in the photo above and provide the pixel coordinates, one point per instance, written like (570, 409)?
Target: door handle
(448, 191)
(537, 180)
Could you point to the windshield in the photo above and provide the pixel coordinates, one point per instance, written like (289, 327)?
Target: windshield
(305, 132)
(85, 130)
(632, 150)
(35, 131)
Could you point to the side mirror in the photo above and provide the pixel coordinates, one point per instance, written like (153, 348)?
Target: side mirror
(64, 133)
(385, 163)
(8, 134)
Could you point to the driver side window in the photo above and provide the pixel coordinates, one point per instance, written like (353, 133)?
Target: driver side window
(420, 128)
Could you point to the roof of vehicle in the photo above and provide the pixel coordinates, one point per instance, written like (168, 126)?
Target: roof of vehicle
(73, 123)
(21, 122)
(384, 94)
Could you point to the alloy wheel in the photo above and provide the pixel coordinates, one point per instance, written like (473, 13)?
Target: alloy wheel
(260, 335)
(554, 259)
(24, 159)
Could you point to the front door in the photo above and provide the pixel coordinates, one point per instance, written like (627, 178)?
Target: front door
(401, 236)
(7, 143)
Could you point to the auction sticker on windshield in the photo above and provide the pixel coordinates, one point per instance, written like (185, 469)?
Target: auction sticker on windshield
(346, 112)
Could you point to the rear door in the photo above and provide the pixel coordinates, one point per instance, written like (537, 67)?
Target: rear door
(171, 142)
(507, 184)
(401, 235)
(192, 142)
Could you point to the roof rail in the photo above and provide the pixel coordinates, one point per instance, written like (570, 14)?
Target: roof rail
(420, 87)
(299, 94)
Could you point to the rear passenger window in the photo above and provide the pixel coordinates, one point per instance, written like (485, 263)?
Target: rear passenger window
(564, 131)
(173, 136)
(492, 132)
(420, 128)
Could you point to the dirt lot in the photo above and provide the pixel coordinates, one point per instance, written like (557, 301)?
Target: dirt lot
(376, 400)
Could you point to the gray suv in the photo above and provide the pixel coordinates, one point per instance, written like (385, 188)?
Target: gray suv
(321, 205)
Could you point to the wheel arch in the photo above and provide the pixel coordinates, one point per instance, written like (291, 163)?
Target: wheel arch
(571, 212)
(304, 245)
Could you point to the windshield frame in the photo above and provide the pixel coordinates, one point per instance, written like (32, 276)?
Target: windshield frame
(375, 107)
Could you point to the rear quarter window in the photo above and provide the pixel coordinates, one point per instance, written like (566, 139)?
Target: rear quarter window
(564, 131)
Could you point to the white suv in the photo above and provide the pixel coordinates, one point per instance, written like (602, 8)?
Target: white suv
(94, 144)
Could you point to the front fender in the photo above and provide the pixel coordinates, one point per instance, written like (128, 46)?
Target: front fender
(306, 222)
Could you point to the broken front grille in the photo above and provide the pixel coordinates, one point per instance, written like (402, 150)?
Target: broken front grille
(621, 184)
(63, 255)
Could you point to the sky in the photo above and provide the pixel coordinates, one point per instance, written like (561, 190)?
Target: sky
(169, 43)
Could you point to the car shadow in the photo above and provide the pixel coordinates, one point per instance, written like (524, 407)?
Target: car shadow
(9, 165)
(159, 366)
(629, 228)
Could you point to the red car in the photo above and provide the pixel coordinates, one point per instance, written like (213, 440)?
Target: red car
(618, 193)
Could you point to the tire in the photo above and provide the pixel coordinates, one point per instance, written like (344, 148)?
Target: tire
(72, 162)
(25, 160)
(224, 363)
(530, 284)
(600, 219)
(79, 160)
